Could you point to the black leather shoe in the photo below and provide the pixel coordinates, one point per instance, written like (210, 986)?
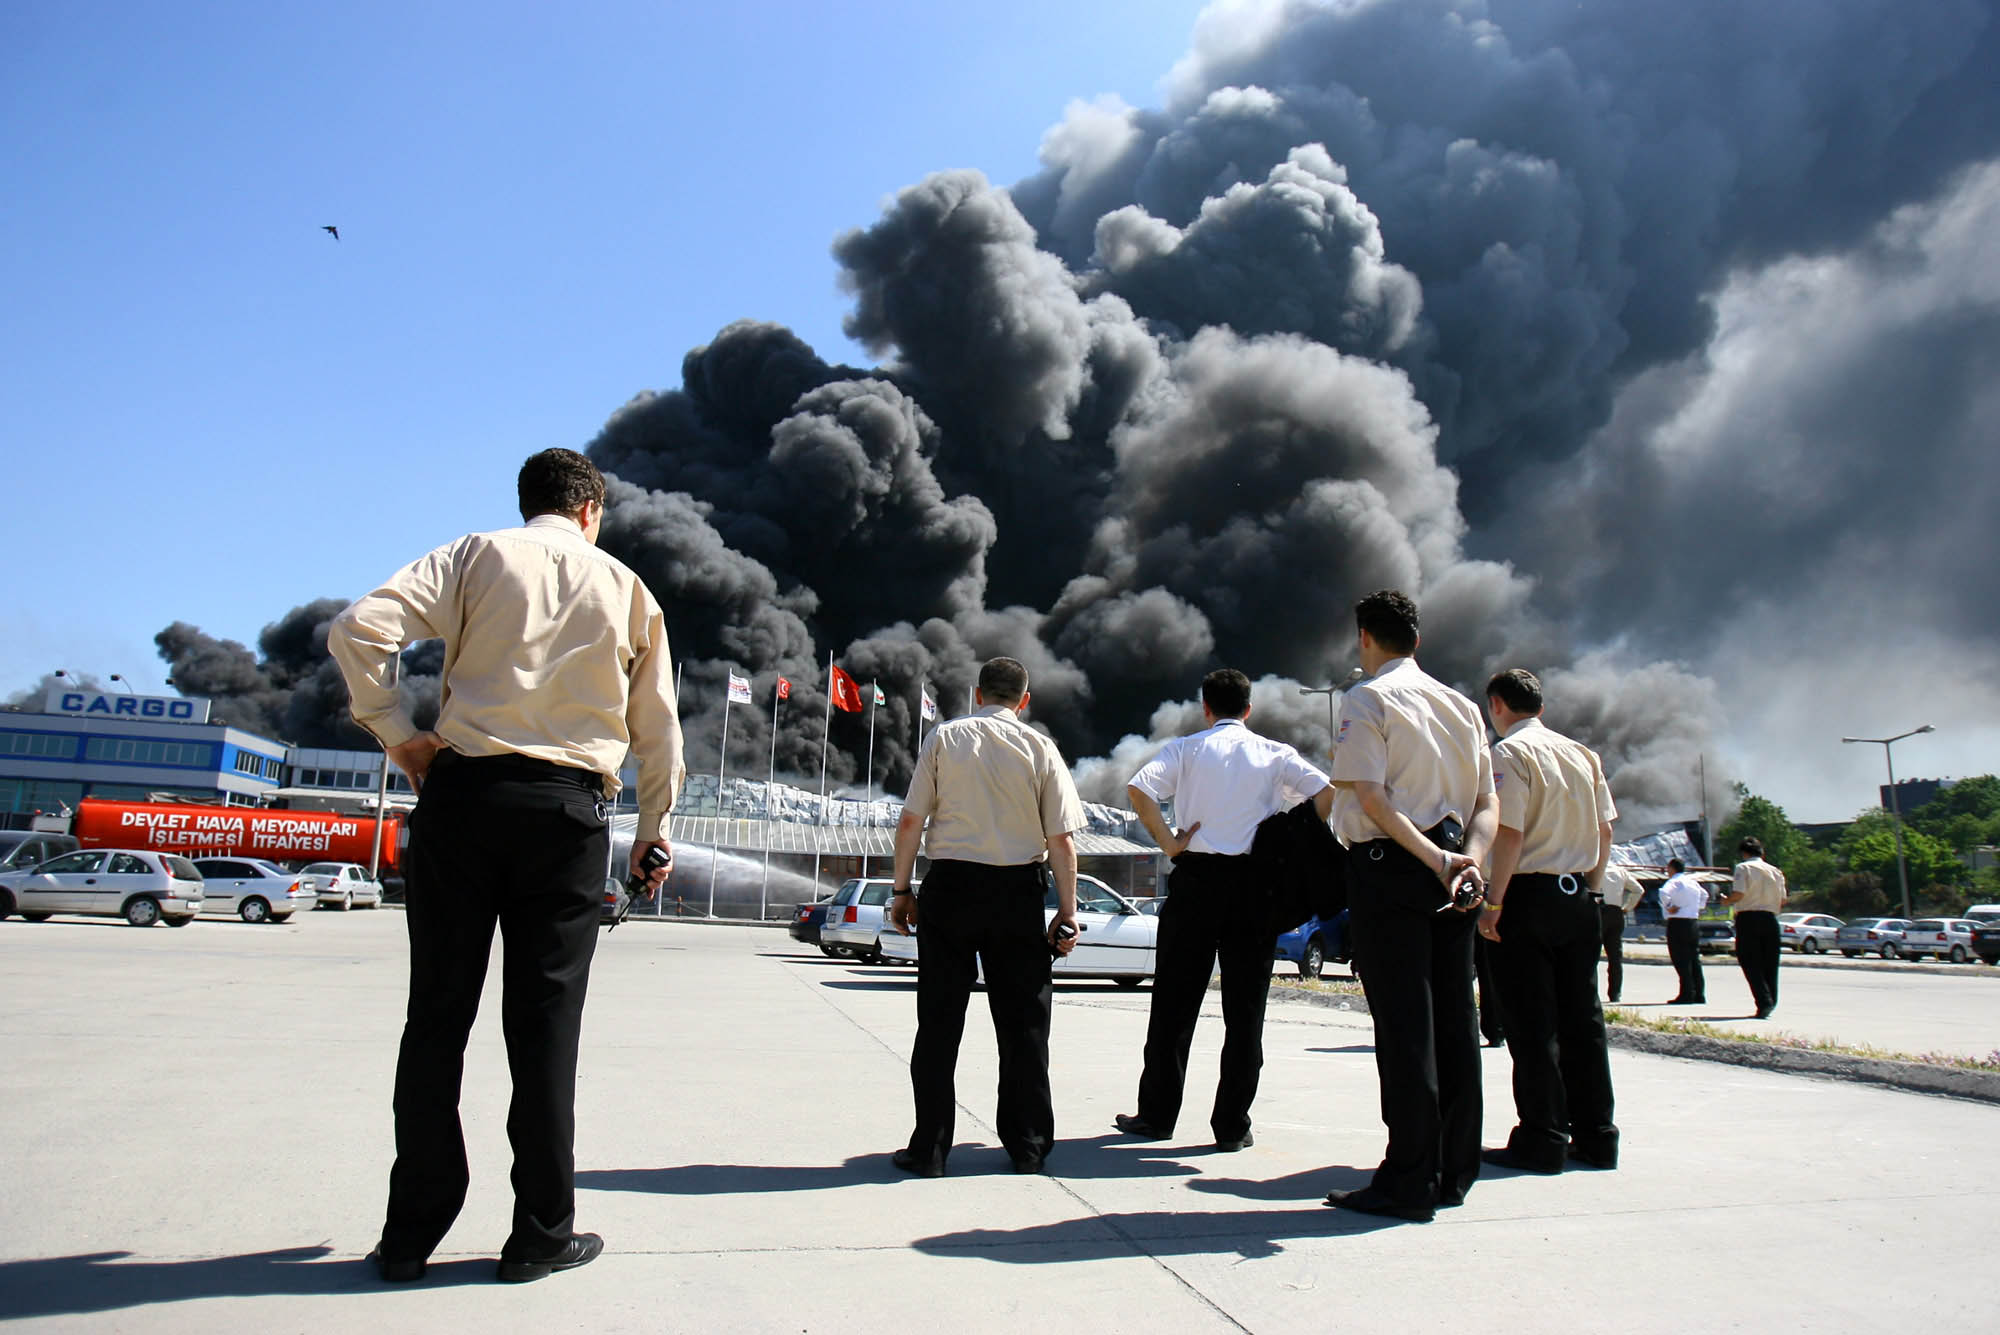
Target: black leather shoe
(1028, 1163)
(1367, 1200)
(1764, 1013)
(581, 1249)
(396, 1272)
(1134, 1125)
(1231, 1146)
(1506, 1158)
(1592, 1159)
(910, 1163)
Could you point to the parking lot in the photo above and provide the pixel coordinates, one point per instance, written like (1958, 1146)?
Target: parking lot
(200, 1122)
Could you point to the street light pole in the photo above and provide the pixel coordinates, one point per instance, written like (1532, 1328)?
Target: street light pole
(1329, 692)
(1895, 807)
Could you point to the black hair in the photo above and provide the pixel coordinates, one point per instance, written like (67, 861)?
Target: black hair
(1391, 618)
(1003, 681)
(1676, 866)
(1752, 845)
(1518, 689)
(558, 482)
(1226, 692)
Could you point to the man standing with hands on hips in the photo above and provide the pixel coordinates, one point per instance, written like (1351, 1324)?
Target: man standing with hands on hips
(1540, 916)
(1682, 899)
(1412, 772)
(1223, 782)
(1002, 810)
(555, 665)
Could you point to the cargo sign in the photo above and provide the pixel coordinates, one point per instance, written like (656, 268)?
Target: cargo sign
(117, 704)
(282, 836)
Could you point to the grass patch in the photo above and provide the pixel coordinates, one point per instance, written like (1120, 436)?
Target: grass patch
(1781, 1039)
(1335, 987)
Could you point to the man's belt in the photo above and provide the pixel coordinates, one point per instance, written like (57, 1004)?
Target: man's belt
(513, 762)
(1447, 834)
(1567, 882)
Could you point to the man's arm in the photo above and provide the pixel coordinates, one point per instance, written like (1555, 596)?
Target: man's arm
(1374, 798)
(909, 834)
(1062, 861)
(366, 639)
(1735, 890)
(652, 718)
(1595, 883)
(1506, 853)
(1150, 816)
(1323, 802)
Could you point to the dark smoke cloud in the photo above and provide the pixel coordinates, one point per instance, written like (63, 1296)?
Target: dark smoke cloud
(1518, 305)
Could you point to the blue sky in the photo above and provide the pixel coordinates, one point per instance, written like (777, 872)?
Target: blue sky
(213, 411)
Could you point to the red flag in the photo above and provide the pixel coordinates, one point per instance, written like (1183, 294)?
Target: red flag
(784, 689)
(846, 695)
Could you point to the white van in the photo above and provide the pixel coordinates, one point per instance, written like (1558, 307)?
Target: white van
(1983, 913)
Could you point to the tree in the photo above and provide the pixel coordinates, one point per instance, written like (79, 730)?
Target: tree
(1764, 819)
(1858, 894)
(1870, 845)
(1809, 877)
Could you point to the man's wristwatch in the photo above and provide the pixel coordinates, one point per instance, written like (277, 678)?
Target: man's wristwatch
(897, 894)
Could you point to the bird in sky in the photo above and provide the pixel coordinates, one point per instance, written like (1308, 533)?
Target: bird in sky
(334, 230)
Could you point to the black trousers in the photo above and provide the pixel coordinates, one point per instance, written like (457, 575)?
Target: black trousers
(1416, 967)
(1546, 963)
(1757, 954)
(970, 915)
(1215, 912)
(1682, 936)
(520, 844)
(1611, 930)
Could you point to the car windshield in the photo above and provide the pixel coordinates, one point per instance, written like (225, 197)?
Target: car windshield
(181, 868)
(271, 868)
(1865, 922)
(1927, 925)
(322, 869)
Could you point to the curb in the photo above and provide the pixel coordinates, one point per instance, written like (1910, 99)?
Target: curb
(1914, 1077)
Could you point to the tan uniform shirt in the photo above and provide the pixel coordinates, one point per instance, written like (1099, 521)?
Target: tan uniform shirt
(996, 791)
(1761, 885)
(1552, 790)
(1620, 888)
(1423, 741)
(552, 649)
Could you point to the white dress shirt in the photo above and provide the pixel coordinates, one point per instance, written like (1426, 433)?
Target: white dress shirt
(1683, 897)
(1229, 779)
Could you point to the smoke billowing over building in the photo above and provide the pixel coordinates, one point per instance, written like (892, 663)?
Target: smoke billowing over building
(1587, 325)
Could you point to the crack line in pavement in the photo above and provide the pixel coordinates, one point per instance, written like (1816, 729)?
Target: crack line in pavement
(1121, 1234)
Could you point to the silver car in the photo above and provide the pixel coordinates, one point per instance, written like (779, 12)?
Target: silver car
(252, 889)
(137, 884)
(1808, 933)
(341, 885)
(1866, 936)
(1946, 938)
(1114, 939)
(855, 917)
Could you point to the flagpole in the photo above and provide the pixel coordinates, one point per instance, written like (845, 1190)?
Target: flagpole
(826, 731)
(660, 899)
(721, 768)
(770, 814)
(874, 705)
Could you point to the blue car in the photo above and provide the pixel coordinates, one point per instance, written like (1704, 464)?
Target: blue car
(1312, 943)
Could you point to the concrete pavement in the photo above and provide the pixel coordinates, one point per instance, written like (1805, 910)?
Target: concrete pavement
(199, 1142)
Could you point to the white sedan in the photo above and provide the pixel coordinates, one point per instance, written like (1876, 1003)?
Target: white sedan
(341, 885)
(1113, 940)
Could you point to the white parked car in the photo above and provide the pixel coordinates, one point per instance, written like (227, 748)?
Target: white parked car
(136, 884)
(1113, 938)
(341, 885)
(1808, 933)
(252, 889)
(1946, 938)
(856, 917)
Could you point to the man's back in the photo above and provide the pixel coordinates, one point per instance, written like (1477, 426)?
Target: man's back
(1552, 789)
(1423, 741)
(994, 789)
(1228, 779)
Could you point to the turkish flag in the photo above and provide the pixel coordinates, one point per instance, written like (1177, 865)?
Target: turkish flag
(784, 689)
(846, 695)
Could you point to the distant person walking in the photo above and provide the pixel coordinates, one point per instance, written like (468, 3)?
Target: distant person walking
(1682, 899)
(1541, 922)
(1619, 892)
(1757, 893)
(1223, 782)
(555, 663)
(1002, 811)
(1415, 807)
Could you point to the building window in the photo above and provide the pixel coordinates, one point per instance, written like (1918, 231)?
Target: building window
(23, 796)
(40, 745)
(140, 751)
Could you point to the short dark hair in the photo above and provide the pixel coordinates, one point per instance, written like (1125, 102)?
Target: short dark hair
(1752, 845)
(558, 482)
(1518, 689)
(1226, 692)
(1676, 866)
(1003, 681)
(1391, 618)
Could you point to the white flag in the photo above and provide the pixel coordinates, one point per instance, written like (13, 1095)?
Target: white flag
(739, 690)
(930, 705)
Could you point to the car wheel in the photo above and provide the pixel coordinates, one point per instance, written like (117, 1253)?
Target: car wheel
(1312, 959)
(142, 912)
(1889, 951)
(1958, 954)
(254, 910)
(831, 952)
(1129, 980)
(347, 901)
(179, 920)
(6, 905)
(36, 917)
(1809, 946)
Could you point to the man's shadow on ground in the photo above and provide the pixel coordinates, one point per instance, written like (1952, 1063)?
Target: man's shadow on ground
(107, 1282)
